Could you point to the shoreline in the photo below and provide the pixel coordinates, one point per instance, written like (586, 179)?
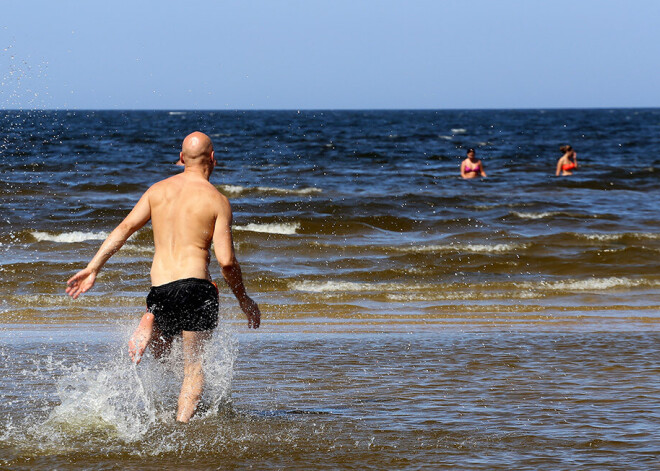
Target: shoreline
(116, 329)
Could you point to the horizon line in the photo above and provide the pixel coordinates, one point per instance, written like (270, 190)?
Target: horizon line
(340, 109)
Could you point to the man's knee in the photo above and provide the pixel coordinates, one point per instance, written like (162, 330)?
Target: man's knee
(193, 344)
(193, 370)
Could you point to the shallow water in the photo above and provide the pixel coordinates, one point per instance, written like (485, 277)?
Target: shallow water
(419, 398)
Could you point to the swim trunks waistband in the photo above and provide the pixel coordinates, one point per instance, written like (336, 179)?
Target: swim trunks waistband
(183, 281)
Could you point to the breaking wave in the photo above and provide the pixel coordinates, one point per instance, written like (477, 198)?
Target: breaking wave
(272, 228)
(68, 237)
(237, 190)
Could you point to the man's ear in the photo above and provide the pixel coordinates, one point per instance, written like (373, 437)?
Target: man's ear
(181, 158)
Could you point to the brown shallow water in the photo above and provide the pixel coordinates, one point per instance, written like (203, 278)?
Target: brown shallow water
(326, 394)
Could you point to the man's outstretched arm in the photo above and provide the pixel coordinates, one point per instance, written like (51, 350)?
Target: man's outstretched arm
(82, 281)
(231, 271)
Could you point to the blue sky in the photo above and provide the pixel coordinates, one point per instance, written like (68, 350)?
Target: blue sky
(329, 54)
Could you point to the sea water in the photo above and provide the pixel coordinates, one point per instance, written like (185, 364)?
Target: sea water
(410, 319)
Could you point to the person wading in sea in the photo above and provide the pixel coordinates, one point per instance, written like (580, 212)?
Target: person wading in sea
(567, 162)
(187, 213)
(472, 167)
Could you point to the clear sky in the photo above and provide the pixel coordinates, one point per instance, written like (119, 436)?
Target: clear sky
(329, 54)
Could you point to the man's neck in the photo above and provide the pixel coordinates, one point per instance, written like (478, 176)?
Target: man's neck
(197, 171)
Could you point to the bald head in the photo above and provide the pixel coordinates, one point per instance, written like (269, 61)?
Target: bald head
(197, 148)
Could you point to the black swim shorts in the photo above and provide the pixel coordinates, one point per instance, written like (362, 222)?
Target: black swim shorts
(189, 304)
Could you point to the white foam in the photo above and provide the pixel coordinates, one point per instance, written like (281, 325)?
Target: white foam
(613, 237)
(471, 248)
(444, 295)
(535, 215)
(401, 291)
(68, 237)
(238, 190)
(289, 191)
(601, 237)
(596, 284)
(325, 286)
(273, 228)
(350, 286)
(458, 131)
(232, 189)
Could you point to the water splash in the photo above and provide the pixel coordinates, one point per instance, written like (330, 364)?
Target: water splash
(114, 403)
(113, 399)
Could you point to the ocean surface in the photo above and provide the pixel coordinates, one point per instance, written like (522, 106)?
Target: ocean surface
(410, 319)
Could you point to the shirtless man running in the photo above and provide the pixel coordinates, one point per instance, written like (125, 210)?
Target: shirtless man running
(187, 213)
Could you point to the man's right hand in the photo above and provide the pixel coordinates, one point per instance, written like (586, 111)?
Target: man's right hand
(252, 312)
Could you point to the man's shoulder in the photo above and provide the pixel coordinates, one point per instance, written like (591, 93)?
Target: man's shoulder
(161, 184)
(179, 182)
(222, 201)
(212, 192)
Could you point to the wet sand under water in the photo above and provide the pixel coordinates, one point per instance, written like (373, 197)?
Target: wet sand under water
(340, 395)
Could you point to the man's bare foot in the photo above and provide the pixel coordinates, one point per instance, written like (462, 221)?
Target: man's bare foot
(141, 338)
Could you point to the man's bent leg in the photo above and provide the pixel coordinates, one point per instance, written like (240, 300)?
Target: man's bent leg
(160, 343)
(193, 375)
(141, 337)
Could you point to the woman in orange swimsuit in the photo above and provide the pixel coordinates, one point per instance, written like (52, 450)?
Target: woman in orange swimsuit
(472, 167)
(568, 162)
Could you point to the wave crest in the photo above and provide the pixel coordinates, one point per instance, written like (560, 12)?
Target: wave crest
(68, 237)
(271, 228)
(619, 236)
(596, 284)
(471, 248)
(237, 190)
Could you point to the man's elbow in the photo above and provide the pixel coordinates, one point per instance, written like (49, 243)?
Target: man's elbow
(228, 264)
(124, 230)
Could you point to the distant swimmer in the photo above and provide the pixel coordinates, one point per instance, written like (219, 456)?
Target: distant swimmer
(471, 167)
(567, 162)
(187, 214)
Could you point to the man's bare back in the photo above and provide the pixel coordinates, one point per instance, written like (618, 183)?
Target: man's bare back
(188, 214)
